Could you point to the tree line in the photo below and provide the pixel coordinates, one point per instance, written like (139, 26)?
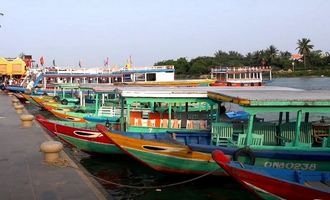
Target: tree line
(280, 60)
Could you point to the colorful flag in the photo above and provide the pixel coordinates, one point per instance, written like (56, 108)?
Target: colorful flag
(42, 61)
(107, 62)
(129, 63)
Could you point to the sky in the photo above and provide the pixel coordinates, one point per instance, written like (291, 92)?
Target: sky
(153, 30)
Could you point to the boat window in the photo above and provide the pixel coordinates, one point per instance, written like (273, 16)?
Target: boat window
(151, 77)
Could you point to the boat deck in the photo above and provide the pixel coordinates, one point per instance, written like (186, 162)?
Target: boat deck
(23, 174)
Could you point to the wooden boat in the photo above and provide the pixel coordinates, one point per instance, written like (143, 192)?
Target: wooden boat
(40, 99)
(241, 76)
(83, 136)
(65, 114)
(282, 183)
(20, 97)
(86, 137)
(28, 97)
(163, 154)
(266, 146)
(42, 79)
(181, 83)
(286, 143)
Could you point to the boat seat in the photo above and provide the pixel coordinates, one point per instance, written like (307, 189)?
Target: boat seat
(151, 123)
(137, 122)
(268, 130)
(257, 140)
(106, 111)
(288, 131)
(164, 123)
(221, 133)
(190, 124)
(176, 123)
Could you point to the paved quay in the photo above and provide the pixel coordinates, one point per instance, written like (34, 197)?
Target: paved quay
(23, 175)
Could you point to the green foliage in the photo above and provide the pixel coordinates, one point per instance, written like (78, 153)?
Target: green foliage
(304, 48)
(270, 56)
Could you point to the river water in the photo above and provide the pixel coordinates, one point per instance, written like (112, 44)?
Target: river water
(123, 170)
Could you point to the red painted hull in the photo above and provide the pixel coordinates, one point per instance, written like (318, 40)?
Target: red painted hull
(235, 84)
(271, 185)
(92, 136)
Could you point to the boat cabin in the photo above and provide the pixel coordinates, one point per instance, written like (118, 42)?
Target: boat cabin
(154, 109)
(241, 76)
(291, 120)
(98, 76)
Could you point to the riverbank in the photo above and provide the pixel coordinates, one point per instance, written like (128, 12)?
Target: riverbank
(23, 173)
(301, 73)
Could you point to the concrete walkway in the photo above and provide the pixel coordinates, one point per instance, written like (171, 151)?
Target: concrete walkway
(22, 172)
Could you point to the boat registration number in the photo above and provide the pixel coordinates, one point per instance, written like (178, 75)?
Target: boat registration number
(290, 165)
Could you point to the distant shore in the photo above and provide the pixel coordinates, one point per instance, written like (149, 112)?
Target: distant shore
(301, 73)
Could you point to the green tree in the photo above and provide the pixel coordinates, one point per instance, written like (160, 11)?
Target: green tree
(304, 48)
(271, 54)
(181, 65)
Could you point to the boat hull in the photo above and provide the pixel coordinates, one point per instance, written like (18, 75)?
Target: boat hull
(88, 140)
(259, 179)
(164, 157)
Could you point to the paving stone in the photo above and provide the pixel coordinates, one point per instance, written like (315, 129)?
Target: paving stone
(23, 174)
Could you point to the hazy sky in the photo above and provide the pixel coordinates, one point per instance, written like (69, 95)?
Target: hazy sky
(154, 30)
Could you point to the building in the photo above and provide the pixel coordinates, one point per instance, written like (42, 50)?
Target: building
(12, 68)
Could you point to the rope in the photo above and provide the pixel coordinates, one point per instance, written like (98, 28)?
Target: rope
(65, 163)
(155, 187)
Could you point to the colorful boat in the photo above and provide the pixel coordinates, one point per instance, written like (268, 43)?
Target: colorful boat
(86, 137)
(20, 97)
(163, 154)
(83, 136)
(241, 76)
(281, 183)
(269, 145)
(284, 143)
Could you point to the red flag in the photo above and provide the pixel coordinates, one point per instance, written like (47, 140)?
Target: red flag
(42, 61)
(107, 61)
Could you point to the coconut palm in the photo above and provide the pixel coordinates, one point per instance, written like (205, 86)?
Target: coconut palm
(271, 53)
(304, 48)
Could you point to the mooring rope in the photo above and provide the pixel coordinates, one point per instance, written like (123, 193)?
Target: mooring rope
(154, 187)
(62, 162)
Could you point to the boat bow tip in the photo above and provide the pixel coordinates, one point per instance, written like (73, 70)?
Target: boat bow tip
(219, 156)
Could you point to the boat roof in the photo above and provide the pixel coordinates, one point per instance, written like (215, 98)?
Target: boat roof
(177, 92)
(273, 97)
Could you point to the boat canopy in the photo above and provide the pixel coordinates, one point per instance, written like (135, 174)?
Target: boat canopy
(285, 97)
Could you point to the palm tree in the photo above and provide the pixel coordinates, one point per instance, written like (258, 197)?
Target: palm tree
(304, 48)
(271, 53)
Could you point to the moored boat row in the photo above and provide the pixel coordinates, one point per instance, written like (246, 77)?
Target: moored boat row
(175, 130)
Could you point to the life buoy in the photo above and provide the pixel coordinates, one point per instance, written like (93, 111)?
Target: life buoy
(245, 152)
(64, 102)
(57, 98)
(80, 111)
